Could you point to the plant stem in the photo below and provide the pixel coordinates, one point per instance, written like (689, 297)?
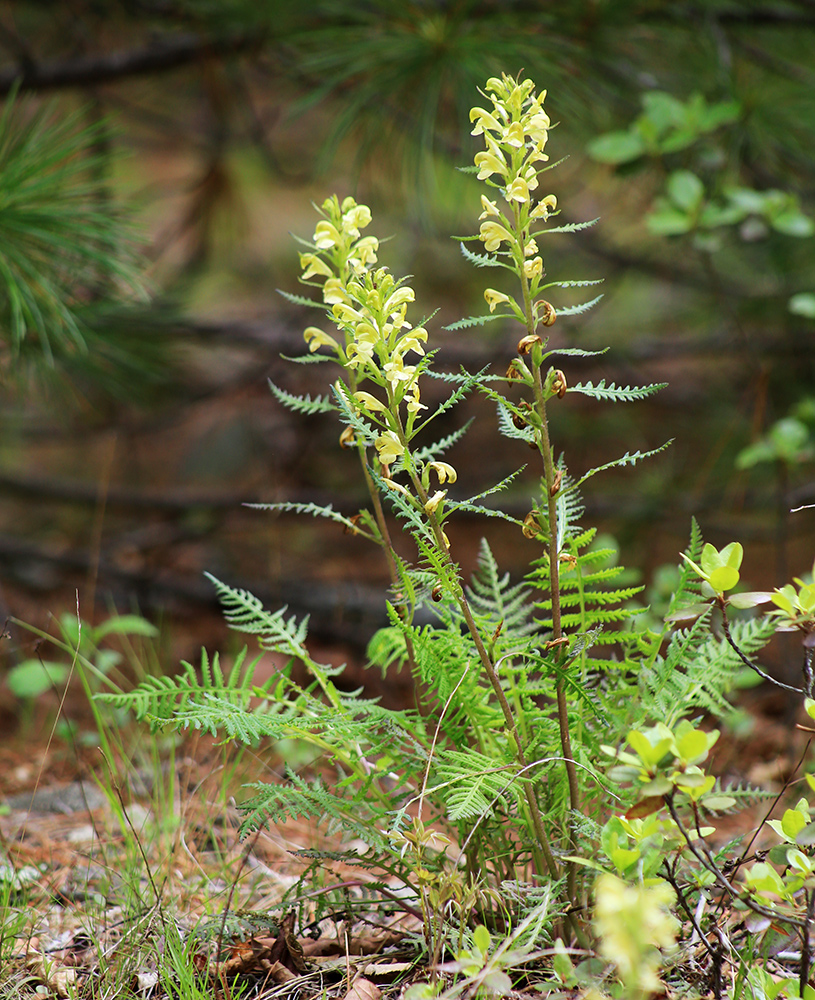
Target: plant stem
(544, 853)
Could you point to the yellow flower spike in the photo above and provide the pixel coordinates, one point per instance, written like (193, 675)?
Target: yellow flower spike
(490, 208)
(368, 401)
(334, 292)
(388, 447)
(326, 235)
(493, 235)
(313, 265)
(445, 471)
(533, 268)
(316, 338)
(518, 190)
(432, 504)
(489, 164)
(494, 298)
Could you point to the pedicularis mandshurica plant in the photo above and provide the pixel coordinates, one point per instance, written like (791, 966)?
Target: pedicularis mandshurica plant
(492, 805)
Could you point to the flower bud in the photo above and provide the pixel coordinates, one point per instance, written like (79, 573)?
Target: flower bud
(347, 439)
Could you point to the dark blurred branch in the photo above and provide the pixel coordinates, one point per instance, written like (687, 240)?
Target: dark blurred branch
(162, 55)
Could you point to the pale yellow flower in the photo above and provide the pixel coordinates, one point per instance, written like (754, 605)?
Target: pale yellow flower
(316, 338)
(388, 447)
(334, 292)
(368, 401)
(514, 135)
(313, 265)
(533, 268)
(364, 251)
(490, 208)
(489, 164)
(544, 207)
(445, 471)
(360, 353)
(396, 371)
(483, 119)
(493, 235)
(494, 298)
(356, 218)
(432, 504)
(518, 190)
(326, 235)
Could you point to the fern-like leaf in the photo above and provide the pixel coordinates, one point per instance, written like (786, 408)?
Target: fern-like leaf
(614, 393)
(579, 309)
(470, 321)
(481, 260)
(569, 227)
(302, 404)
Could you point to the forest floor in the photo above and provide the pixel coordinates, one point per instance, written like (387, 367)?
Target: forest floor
(119, 875)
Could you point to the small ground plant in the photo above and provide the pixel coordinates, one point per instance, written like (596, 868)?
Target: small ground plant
(547, 798)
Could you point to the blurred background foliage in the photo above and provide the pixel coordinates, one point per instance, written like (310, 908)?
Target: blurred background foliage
(155, 156)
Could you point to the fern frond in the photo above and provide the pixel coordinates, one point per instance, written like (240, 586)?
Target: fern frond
(245, 613)
(473, 784)
(160, 699)
(302, 404)
(614, 393)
